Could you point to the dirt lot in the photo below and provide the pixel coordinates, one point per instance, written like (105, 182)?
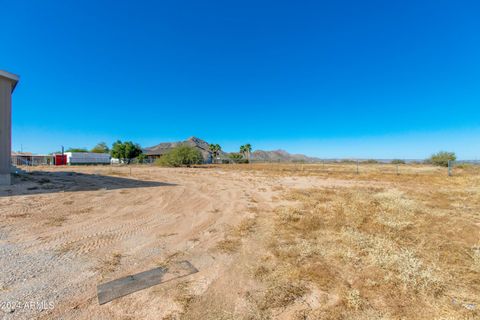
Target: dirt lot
(269, 241)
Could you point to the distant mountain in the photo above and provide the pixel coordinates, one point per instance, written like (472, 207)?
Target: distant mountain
(162, 148)
(280, 156)
(204, 148)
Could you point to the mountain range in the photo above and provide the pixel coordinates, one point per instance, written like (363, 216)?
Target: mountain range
(203, 146)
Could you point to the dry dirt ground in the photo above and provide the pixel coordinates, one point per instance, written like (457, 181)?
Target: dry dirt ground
(269, 241)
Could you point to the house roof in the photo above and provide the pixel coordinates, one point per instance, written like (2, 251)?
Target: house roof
(29, 154)
(10, 76)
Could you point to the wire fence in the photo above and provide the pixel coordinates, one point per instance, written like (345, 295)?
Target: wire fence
(321, 166)
(397, 167)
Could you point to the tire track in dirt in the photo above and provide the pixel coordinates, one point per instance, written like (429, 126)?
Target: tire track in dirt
(145, 225)
(59, 238)
(94, 241)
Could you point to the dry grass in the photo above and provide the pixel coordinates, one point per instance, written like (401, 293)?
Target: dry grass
(229, 245)
(165, 262)
(367, 172)
(403, 246)
(109, 264)
(476, 257)
(233, 239)
(55, 221)
(373, 245)
(183, 295)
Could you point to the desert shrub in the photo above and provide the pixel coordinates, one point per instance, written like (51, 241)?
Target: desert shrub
(299, 161)
(182, 155)
(397, 161)
(371, 161)
(441, 158)
(464, 165)
(237, 157)
(142, 158)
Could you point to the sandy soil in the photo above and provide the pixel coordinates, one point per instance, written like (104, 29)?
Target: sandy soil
(63, 231)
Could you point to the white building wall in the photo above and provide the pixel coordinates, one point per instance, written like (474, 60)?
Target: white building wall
(87, 158)
(7, 84)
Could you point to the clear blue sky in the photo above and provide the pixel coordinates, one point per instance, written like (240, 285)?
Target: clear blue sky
(370, 79)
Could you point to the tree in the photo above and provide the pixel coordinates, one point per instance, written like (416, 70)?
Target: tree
(245, 150)
(248, 148)
(242, 150)
(215, 149)
(101, 147)
(142, 158)
(125, 151)
(237, 157)
(441, 158)
(76, 150)
(182, 155)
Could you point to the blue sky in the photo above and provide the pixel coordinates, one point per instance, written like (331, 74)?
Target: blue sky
(368, 79)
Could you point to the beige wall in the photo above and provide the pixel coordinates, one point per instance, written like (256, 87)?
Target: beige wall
(5, 129)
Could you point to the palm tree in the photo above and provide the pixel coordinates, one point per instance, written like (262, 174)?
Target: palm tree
(243, 151)
(248, 149)
(212, 150)
(218, 148)
(215, 149)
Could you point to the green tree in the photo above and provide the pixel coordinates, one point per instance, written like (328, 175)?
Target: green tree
(141, 158)
(182, 155)
(248, 147)
(245, 150)
(101, 147)
(76, 150)
(125, 151)
(215, 149)
(237, 157)
(242, 150)
(441, 158)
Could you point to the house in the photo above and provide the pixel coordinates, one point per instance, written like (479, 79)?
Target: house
(155, 152)
(8, 81)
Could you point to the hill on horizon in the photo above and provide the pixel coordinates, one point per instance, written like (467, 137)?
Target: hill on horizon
(280, 156)
(204, 148)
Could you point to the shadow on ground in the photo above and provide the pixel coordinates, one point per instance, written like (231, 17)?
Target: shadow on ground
(38, 182)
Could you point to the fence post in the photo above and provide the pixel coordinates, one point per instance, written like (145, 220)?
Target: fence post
(449, 168)
(397, 170)
(357, 167)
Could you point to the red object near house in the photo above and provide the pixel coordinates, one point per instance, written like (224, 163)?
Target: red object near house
(60, 160)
